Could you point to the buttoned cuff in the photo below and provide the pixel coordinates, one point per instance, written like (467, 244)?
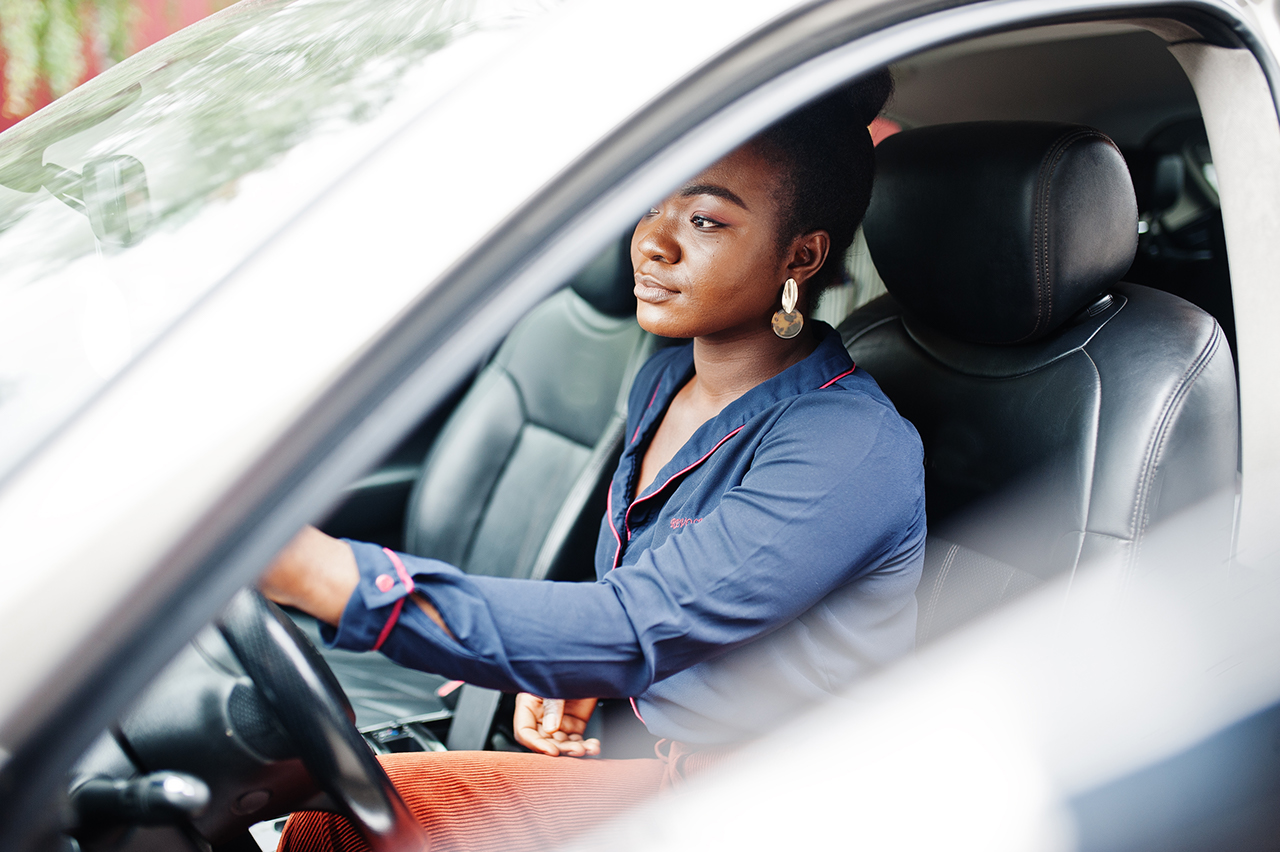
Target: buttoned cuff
(374, 606)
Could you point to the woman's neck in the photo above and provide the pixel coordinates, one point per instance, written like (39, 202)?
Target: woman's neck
(725, 369)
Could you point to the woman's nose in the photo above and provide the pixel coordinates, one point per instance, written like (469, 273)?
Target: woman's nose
(654, 239)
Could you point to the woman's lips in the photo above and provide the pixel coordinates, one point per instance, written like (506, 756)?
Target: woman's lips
(649, 290)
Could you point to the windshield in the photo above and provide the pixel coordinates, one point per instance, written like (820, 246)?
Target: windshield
(129, 199)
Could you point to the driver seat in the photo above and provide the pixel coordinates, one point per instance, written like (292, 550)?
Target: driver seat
(1064, 413)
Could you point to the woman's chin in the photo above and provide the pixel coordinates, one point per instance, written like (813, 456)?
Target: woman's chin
(657, 319)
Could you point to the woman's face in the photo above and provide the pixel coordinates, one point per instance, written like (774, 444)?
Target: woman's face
(707, 260)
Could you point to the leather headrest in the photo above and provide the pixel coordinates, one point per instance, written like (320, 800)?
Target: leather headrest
(608, 283)
(998, 232)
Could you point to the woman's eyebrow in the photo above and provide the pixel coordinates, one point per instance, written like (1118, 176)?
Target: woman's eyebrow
(713, 189)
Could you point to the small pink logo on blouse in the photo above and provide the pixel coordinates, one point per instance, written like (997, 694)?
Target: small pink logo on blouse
(384, 582)
(677, 523)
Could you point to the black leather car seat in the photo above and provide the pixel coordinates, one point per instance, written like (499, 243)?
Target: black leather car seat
(515, 484)
(1064, 414)
(530, 427)
(515, 481)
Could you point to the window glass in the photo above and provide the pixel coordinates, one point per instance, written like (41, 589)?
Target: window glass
(127, 200)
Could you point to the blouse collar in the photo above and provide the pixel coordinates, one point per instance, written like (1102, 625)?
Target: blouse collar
(825, 365)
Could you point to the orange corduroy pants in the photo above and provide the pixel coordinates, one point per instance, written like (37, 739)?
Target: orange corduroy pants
(479, 801)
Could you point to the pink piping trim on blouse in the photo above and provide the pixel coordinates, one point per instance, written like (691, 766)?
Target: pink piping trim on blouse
(634, 708)
(839, 377)
(399, 605)
(627, 524)
(617, 554)
(636, 434)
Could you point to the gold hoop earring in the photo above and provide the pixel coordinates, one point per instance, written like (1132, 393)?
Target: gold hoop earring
(788, 321)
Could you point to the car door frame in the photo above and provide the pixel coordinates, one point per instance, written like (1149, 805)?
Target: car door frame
(439, 339)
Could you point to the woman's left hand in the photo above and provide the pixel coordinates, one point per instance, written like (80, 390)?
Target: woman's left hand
(554, 726)
(315, 573)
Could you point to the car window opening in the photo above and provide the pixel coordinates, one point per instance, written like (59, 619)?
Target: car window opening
(1153, 117)
(1177, 211)
(510, 477)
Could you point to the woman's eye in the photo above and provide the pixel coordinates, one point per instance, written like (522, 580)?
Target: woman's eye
(703, 223)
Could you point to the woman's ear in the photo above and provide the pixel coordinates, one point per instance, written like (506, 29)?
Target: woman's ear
(808, 253)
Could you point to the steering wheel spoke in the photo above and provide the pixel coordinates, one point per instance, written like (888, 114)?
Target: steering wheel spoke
(304, 694)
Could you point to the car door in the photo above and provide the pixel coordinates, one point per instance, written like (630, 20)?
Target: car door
(314, 385)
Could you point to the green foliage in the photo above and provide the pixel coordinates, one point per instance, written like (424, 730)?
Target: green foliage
(47, 39)
(114, 18)
(61, 54)
(21, 23)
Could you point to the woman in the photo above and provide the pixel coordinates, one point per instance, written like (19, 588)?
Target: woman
(764, 533)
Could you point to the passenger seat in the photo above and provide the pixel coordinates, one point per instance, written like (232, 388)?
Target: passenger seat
(1064, 413)
(515, 484)
(533, 443)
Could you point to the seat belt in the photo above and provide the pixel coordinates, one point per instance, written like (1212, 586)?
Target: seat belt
(477, 706)
(472, 718)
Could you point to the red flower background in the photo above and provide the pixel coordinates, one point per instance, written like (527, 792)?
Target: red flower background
(148, 22)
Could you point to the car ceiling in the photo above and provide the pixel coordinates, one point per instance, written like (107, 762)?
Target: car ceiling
(1116, 77)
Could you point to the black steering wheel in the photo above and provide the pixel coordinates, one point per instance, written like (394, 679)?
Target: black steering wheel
(301, 689)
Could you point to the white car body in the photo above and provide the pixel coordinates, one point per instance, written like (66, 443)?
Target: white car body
(387, 261)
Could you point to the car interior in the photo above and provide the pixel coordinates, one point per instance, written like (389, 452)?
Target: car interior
(1038, 471)
(1040, 286)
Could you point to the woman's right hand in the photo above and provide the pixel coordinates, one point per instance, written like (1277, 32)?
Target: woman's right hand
(554, 726)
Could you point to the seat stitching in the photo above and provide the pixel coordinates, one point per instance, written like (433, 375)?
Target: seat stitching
(1038, 230)
(942, 577)
(1155, 445)
(1040, 223)
(1007, 580)
(1156, 442)
(1093, 471)
(1120, 538)
(855, 338)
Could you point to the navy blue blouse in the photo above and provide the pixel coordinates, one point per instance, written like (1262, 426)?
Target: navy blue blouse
(772, 561)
